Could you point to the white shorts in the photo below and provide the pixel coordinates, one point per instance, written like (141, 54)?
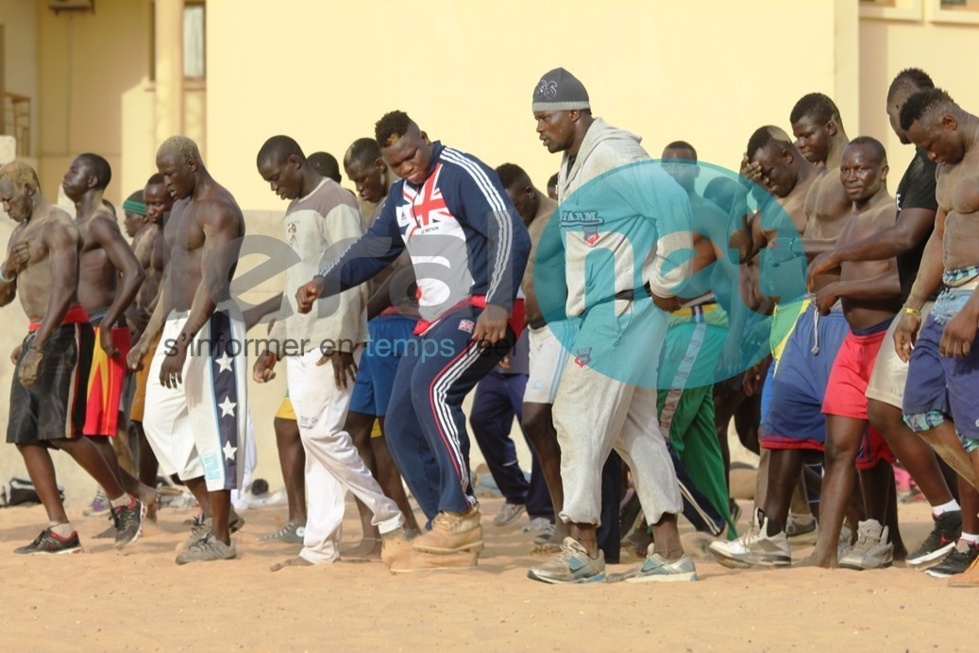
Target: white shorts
(890, 373)
(547, 360)
(199, 428)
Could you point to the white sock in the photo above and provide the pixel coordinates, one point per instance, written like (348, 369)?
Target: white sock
(121, 501)
(971, 538)
(63, 531)
(938, 511)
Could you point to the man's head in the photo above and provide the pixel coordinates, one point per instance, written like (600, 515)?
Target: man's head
(326, 164)
(366, 168)
(815, 121)
(772, 149)
(134, 209)
(281, 162)
(87, 172)
(20, 190)
(680, 162)
(552, 187)
(931, 120)
(863, 168)
(404, 147)
(179, 161)
(520, 190)
(562, 110)
(158, 200)
(908, 82)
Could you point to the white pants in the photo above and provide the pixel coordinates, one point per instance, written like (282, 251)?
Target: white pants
(547, 360)
(595, 413)
(199, 428)
(331, 458)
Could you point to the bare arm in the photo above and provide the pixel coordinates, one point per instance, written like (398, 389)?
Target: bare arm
(106, 233)
(932, 265)
(17, 258)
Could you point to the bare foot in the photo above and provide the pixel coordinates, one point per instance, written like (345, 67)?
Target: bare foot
(367, 549)
(824, 561)
(294, 561)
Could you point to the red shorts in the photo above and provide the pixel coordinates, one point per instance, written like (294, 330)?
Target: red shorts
(847, 387)
(105, 384)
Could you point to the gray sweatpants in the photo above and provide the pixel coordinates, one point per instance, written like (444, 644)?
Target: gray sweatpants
(607, 400)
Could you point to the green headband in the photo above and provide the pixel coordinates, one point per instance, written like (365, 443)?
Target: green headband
(132, 206)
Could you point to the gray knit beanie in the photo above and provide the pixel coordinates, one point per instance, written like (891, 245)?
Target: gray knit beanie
(559, 90)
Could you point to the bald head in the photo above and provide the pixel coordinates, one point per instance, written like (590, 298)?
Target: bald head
(278, 149)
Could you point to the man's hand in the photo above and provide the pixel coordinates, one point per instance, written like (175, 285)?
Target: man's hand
(17, 259)
(344, 366)
(505, 363)
(309, 293)
(264, 368)
(751, 170)
(826, 298)
(171, 372)
(668, 304)
(905, 334)
(28, 368)
(15, 354)
(134, 359)
(959, 334)
(105, 341)
(821, 265)
(490, 326)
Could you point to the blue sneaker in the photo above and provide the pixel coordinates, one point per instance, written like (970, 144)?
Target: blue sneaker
(572, 565)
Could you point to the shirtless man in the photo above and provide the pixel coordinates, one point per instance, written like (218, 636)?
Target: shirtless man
(917, 207)
(46, 409)
(782, 170)
(196, 403)
(870, 294)
(150, 248)
(391, 323)
(943, 360)
(109, 276)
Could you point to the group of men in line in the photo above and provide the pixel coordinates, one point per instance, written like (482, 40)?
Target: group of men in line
(618, 316)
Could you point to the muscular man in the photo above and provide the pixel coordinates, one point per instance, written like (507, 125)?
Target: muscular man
(469, 249)
(791, 179)
(391, 320)
(870, 295)
(47, 407)
(149, 246)
(109, 276)
(593, 412)
(916, 206)
(943, 360)
(196, 402)
(321, 352)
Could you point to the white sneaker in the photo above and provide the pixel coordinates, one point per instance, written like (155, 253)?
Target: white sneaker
(872, 550)
(755, 548)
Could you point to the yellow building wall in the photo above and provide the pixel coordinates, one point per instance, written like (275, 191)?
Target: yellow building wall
(20, 57)
(947, 52)
(707, 71)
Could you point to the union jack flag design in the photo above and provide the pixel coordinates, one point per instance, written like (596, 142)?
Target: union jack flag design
(425, 206)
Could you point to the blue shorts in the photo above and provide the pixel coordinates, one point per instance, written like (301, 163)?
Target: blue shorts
(794, 419)
(379, 364)
(942, 384)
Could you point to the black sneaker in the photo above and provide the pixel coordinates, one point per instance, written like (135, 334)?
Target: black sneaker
(47, 543)
(956, 562)
(941, 540)
(129, 522)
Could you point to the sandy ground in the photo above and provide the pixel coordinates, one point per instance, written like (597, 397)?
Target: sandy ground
(139, 600)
